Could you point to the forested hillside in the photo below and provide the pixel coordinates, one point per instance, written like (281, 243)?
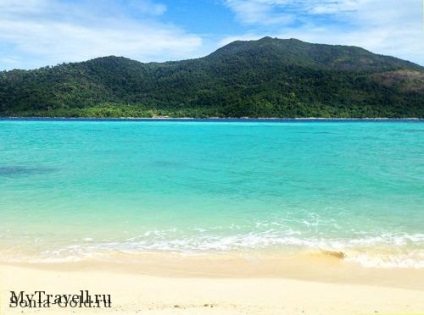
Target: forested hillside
(264, 78)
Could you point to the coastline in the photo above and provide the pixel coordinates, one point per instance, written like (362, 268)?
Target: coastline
(241, 268)
(327, 287)
(212, 119)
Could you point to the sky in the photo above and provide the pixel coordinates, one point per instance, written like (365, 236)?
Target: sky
(37, 33)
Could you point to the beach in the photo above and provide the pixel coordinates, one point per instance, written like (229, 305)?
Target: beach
(155, 289)
(238, 217)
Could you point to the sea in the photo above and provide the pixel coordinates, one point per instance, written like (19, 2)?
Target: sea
(76, 190)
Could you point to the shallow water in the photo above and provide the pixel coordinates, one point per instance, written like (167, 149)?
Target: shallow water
(73, 190)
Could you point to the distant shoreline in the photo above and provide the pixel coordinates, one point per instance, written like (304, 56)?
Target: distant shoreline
(215, 119)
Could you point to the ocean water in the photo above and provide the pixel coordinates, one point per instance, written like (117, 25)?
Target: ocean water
(74, 190)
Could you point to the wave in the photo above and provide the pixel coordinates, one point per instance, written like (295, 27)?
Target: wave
(396, 250)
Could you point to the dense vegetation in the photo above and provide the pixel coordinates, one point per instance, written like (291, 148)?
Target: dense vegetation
(264, 78)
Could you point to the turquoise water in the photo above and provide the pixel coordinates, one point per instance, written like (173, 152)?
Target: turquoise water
(73, 190)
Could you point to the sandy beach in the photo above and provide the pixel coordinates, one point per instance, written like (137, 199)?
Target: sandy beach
(225, 218)
(208, 285)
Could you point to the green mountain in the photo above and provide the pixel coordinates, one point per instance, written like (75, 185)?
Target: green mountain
(264, 78)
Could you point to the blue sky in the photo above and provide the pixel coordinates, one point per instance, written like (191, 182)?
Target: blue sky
(36, 33)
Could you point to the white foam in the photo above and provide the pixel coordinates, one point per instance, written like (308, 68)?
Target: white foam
(405, 260)
(400, 250)
(403, 250)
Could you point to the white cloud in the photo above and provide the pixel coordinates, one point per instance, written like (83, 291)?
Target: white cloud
(48, 32)
(35, 33)
(148, 7)
(258, 12)
(268, 12)
(334, 7)
(389, 27)
(22, 7)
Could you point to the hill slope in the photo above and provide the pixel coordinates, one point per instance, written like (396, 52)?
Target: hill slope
(264, 78)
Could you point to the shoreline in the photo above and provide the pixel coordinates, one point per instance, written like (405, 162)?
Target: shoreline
(320, 266)
(87, 226)
(213, 119)
(137, 290)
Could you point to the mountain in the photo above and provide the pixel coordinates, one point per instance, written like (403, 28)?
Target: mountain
(265, 78)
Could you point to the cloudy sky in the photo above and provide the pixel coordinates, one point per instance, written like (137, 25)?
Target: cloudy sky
(36, 33)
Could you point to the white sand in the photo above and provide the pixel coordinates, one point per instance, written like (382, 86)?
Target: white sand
(135, 292)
